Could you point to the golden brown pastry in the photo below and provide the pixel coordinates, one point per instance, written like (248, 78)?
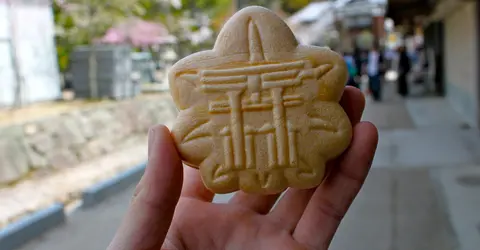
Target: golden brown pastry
(259, 112)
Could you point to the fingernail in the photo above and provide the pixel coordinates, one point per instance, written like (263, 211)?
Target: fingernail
(151, 140)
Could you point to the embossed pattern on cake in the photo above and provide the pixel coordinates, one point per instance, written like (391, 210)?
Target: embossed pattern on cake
(259, 112)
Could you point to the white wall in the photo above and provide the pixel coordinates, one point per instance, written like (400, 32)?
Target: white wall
(36, 53)
(461, 63)
(7, 81)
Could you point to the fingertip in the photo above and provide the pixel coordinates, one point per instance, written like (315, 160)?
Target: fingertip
(364, 144)
(153, 132)
(355, 94)
(162, 143)
(164, 163)
(353, 102)
(369, 130)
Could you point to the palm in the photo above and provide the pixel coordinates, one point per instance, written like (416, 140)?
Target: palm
(301, 219)
(202, 225)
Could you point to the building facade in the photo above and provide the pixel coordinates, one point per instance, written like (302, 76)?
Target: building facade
(461, 46)
(452, 31)
(28, 62)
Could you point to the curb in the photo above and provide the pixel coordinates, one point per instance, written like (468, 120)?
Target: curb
(32, 226)
(101, 191)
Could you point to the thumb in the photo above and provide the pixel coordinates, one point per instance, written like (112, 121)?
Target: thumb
(149, 216)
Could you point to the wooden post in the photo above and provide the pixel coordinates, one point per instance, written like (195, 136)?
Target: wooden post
(92, 57)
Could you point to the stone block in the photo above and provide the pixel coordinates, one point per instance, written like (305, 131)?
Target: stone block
(94, 148)
(100, 120)
(86, 128)
(13, 160)
(41, 142)
(124, 124)
(62, 158)
(71, 128)
(85, 152)
(35, 159)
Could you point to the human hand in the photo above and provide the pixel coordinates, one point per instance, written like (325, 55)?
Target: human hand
(165, 214)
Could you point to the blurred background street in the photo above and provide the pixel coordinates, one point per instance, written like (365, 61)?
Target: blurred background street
(80, 84)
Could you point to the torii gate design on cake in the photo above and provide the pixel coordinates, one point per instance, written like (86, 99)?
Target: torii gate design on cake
(257, 76)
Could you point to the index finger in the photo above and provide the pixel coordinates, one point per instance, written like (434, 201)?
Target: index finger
(148, 218)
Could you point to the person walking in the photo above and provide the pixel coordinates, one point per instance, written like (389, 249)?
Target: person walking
(374, 70)
(404, 65)
(359, 60)
(352, 69)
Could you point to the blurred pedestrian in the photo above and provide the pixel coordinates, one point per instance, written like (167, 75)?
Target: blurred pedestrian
(404, 66)
(352, 69)
(357, 56)
(389, 56)
(374, 71)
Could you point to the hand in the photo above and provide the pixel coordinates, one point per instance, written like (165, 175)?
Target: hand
(166, 215)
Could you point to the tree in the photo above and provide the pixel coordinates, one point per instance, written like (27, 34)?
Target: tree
(217, 10)
(83, 21)
(63, 24)
(292, 6)
(289, 6)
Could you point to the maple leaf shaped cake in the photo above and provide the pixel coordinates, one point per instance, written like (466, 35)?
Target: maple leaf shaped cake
(259, 112)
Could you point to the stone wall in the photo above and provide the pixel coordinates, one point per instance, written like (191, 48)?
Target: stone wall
(67, 139)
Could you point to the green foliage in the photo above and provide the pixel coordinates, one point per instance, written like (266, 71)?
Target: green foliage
(64, 47)
(264, 3)
(292, 6)
(213, 8)
(79, 22)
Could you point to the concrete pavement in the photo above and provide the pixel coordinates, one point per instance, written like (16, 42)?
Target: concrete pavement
(427, 147)
(460, 189)
(421, 194)
(396, 210)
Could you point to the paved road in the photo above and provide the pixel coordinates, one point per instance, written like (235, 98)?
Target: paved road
(90, 229)
(413, 198)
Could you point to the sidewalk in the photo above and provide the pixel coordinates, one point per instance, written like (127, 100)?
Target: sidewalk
(397, 210)
(432, 170)
(461, 188)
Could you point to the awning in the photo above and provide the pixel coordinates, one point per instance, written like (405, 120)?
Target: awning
(401, 10)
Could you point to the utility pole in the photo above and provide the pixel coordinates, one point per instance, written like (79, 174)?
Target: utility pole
(92, 57)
